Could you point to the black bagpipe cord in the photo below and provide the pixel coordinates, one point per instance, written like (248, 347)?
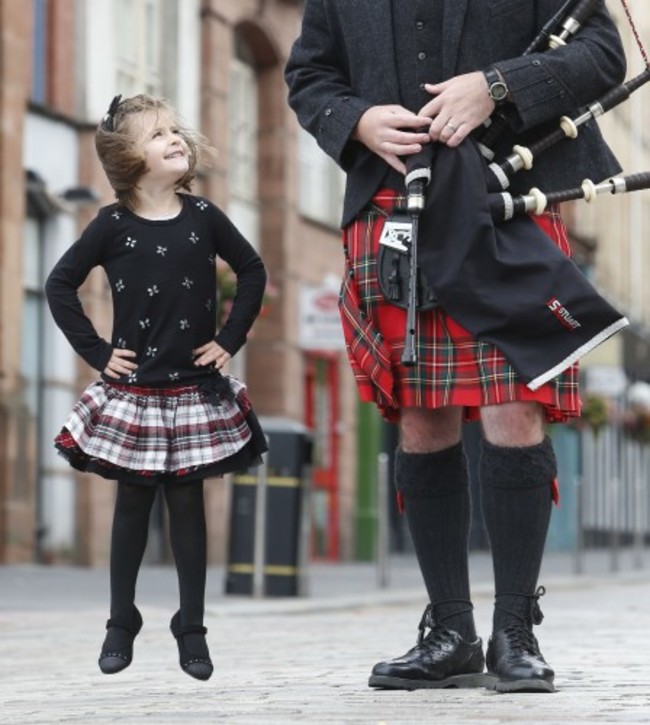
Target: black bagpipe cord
(507, 284)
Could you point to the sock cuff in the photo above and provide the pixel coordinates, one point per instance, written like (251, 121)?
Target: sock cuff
(518, 467)
(431, 475)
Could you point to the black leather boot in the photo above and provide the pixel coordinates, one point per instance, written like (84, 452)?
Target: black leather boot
(441, 658)
(193, 654)
(513, 655)
(117, 650)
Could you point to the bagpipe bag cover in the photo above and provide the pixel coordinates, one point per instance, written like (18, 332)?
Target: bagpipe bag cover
(507, 283)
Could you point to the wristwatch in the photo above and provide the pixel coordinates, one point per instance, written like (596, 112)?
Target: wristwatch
(497, 88)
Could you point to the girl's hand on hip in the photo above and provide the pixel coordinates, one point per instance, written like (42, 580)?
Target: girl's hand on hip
(211, 354)
(119, 364)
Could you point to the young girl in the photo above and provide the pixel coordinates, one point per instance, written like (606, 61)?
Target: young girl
(163, 414)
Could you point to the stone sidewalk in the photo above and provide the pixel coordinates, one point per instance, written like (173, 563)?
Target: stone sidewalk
(308, 659)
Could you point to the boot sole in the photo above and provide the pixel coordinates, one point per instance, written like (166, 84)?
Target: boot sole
(522, 686)
(455, 681)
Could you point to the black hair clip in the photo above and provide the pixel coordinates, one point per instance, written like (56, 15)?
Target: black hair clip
(107, 121)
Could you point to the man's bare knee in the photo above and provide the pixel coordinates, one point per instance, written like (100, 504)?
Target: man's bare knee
(427, 431)
(513, 424)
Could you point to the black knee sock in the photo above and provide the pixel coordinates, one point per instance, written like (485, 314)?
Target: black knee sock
(516, 492)
(128, 542)
(187, 530)
(435, 491)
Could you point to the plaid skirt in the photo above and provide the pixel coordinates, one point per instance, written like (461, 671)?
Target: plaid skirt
(453, 368)
(159, 435)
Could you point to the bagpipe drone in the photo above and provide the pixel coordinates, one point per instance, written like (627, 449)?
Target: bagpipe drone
(483, 259)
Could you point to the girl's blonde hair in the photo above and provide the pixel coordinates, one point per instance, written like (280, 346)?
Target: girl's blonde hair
(123, 162)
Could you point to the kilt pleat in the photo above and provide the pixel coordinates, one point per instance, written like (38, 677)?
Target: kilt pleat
(168, 432)
(454, 368)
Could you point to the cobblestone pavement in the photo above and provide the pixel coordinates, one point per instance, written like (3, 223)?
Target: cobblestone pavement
(307, 660)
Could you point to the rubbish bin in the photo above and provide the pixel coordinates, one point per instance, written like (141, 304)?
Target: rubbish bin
(286, 486)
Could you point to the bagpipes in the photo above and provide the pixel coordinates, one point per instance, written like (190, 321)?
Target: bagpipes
(523, 157)
(556, 32)
(504, 206)
(398, 253)
(507, 284)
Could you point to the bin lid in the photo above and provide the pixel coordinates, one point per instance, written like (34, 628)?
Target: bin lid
(278, 424)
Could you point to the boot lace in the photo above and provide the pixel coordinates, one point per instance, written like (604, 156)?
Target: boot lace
(535, 615)
(438, 632)
(521, 639)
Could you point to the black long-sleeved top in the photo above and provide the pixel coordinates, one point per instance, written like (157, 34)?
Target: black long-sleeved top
(162, 275)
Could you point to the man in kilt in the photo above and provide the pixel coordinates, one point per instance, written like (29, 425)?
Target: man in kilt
(373, 81)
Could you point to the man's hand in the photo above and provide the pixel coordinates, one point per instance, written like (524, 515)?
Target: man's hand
(461, 104)
(211, 354)
(119, 364)
(391, 132)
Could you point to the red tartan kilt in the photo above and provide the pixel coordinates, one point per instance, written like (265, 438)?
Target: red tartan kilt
(453, 368)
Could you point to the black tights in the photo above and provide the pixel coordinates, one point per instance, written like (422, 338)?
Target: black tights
(187, 529)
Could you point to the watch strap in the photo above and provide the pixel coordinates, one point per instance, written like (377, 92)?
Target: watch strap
(497, 87)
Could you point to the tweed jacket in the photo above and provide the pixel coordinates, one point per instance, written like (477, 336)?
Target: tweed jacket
(343, 63)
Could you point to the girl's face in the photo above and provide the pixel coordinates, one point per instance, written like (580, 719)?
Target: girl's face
(164, 149)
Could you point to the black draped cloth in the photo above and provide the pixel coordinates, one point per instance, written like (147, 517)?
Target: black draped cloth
(507, 284)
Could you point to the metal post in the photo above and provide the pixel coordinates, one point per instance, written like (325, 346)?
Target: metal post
(578, 566)
(259, 554)
(638, 505)
(615, 523)
(382, 520)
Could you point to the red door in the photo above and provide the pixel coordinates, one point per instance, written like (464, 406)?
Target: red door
(321, 416)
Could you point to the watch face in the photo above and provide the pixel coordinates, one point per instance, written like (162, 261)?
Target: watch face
(498, 91)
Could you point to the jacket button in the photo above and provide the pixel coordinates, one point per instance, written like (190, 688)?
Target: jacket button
(422, 55)
(328, 111)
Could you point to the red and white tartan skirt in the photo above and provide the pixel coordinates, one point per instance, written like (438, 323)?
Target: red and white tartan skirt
(157, 435)
(453, 368)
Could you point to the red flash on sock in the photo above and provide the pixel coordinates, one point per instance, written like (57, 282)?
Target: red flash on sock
(400, 502)
(555, 492)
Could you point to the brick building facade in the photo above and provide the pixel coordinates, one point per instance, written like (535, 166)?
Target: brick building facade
(222, 64)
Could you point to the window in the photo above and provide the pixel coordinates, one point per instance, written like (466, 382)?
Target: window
(243, 207)
(138, 46)
(243, 110)
(322, 183)
(32, 333)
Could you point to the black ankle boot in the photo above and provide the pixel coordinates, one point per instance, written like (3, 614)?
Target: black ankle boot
(117, 650)
(440, 659)
(193, 653)
(513, 654)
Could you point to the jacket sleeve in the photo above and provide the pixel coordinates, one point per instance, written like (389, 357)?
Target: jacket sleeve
(319, 85)
(546, 85)
(248, 267)
(61, 289)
